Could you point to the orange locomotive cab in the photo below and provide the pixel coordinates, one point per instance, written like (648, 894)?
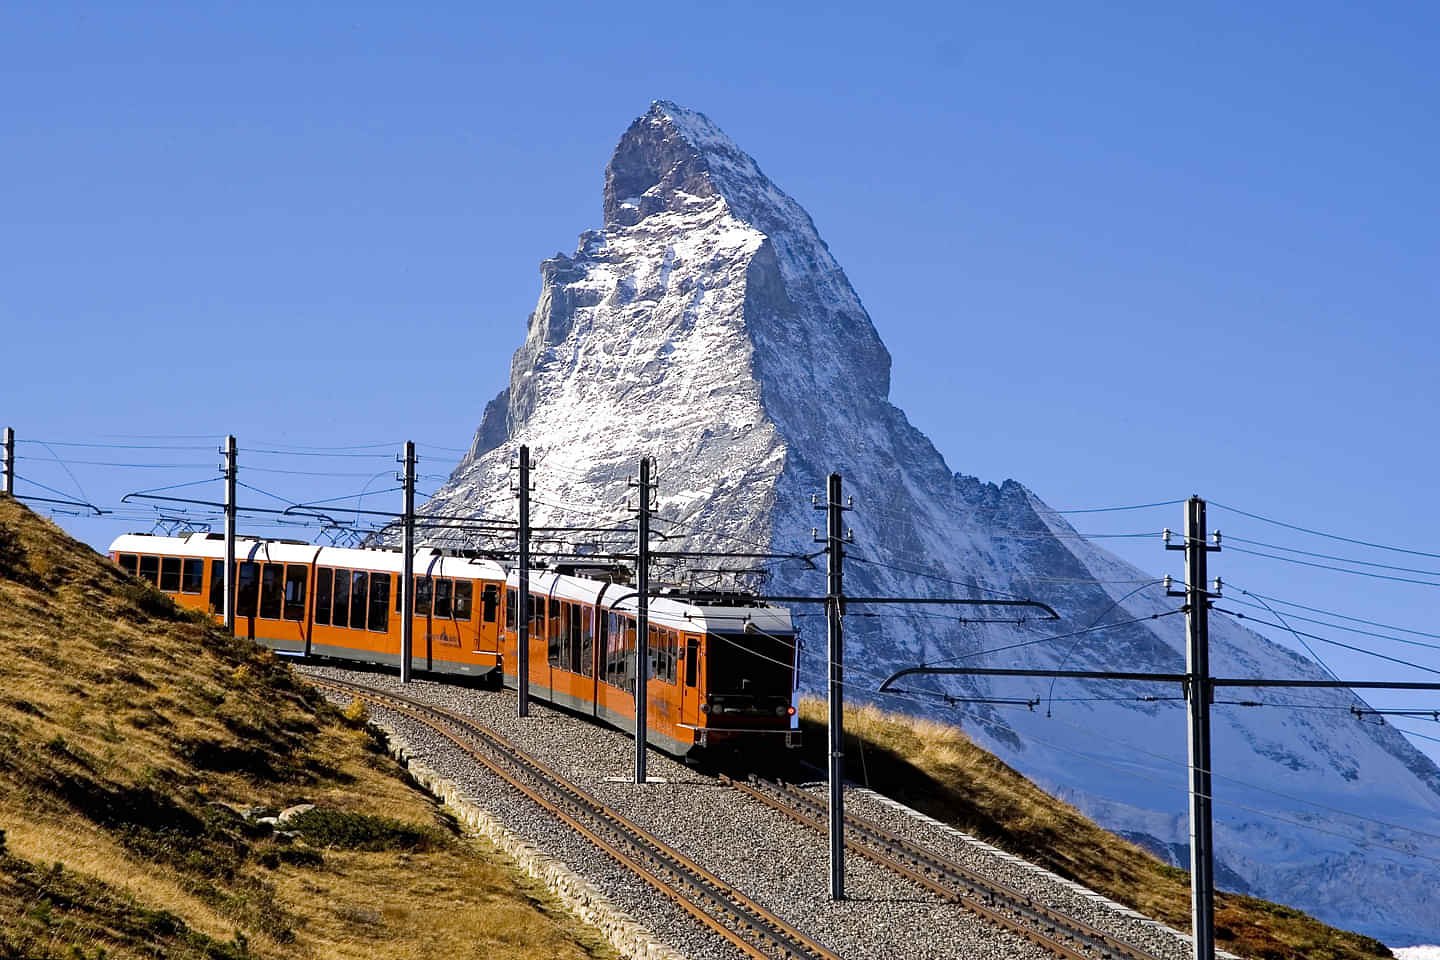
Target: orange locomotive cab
(715, 672)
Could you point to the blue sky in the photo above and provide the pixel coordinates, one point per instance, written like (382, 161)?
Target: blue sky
(1118, 253)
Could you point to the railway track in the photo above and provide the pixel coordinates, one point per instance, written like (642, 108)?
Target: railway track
(749, 927)
(995, 902)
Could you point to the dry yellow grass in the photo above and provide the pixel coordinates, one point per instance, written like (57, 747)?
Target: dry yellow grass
(130, 733)
(935, 768)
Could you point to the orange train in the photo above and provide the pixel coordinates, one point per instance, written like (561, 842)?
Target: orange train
(721, 668)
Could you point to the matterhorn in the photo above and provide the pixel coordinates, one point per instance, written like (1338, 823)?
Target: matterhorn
(706, 325)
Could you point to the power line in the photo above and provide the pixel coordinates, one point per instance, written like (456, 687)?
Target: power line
(1328, 556)
(1326, 566)
(1322, 533)
(1135, 506)
(1336, 626)
(1341, 616)
(1337, 643)
(1062, 636)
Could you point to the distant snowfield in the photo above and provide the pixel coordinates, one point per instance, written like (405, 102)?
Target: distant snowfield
(1417, 953)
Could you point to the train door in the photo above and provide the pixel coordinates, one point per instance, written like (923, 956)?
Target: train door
(689, 680)
(486, 638)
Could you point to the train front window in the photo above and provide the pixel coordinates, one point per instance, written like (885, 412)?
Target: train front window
(751, 664)
(192, 576)
(150, 569)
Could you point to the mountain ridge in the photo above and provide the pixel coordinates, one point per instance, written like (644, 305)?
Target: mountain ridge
(707, 325)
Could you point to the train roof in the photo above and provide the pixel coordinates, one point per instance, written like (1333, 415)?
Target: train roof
(663, 611)
(429, 561)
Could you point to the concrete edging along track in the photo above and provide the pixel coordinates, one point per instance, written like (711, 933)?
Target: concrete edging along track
(575, 893)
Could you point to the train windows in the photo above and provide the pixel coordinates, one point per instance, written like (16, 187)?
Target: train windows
(554, 629)
(490, 603)
(692, 660)
(510, 604)
(247, 589)
(536, 614)
(380, 602)
(128, 562)
(359, 587)
(272, 582)
(422, 596)
(572, 636)
(342, 599)
(217, 586)
(192, 576)
(297, 575)
(464, 599)
(322, 595)
(555, 646)
(587, 643)
(150, 569)
(442, 598)
(612, 641)
(170, 574)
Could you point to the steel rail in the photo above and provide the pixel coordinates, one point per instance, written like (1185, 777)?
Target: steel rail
(752, 929)
(996, 902)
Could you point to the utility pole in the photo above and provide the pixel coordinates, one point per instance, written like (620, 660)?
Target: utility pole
(9, 487)
(523, 602)
(231, 455)
(835, 651)
(642, 625)
(407, 576)
(1199, 691)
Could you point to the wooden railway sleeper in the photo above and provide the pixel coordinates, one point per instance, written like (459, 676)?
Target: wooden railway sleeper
(782, 942)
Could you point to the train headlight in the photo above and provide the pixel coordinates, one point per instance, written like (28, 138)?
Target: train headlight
(790, 711)
(704, 707)
(780, 711)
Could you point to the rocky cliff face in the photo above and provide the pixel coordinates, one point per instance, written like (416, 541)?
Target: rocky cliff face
(708, 326)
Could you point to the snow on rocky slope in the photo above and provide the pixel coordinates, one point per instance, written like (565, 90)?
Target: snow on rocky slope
(708, 326)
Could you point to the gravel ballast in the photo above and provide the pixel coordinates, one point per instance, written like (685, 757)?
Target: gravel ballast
(778, 863)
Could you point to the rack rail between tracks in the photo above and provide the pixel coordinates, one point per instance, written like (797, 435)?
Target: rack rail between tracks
(993, 901)
(718, 906)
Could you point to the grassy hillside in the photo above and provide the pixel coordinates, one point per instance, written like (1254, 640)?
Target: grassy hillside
(937, 770)
(136, 743)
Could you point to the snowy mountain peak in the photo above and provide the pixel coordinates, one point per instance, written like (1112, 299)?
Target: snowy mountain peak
(707, 325)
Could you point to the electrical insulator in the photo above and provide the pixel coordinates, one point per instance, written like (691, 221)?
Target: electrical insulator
(1218, 586)
(1216, 535)
(1165, 536)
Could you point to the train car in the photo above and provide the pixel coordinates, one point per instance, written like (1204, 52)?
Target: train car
(307, 600)
(719, 670)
